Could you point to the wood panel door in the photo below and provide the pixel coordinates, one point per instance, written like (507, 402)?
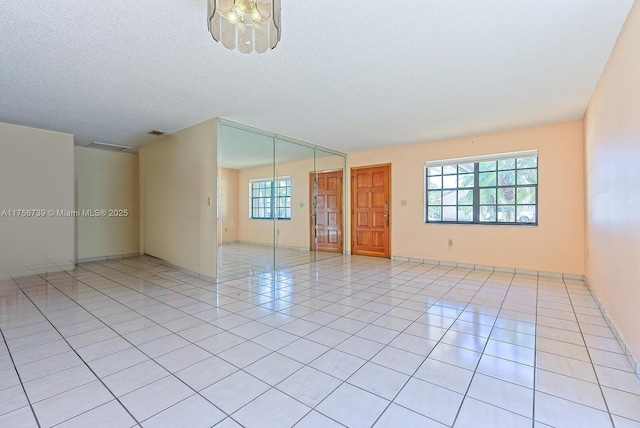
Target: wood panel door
(371, 210)
(325, 189)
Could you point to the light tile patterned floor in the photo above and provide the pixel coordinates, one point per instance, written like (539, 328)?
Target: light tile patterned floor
(239, 260)
(345, 341)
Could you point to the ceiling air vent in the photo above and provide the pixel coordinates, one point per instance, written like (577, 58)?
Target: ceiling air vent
(105, 146)
(155, 132)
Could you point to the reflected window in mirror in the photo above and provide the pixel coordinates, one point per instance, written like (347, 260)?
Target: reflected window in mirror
(270, 199)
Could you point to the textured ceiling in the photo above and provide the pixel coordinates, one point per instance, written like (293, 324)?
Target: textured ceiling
(346, 75)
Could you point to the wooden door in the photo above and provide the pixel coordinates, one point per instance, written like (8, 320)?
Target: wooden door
(325, 190)
(371, 210)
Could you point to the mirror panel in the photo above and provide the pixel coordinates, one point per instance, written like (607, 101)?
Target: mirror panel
(245, 236)
(267, 193)
(294, 163)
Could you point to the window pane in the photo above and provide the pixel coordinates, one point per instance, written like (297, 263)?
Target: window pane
(487, 213)
(506, 195)
(506, 214)
(435, 170)
(526, 195)
(487, 196)
(465, 167)
(488, 166)
(487, 179)
(527, 176)
(465, 180)
(449, 197)
(506, 178)
(465, 213)
(448, 213)
(465, 197)
(526, 213)
(449, 169)
(435, 197)
(435, 213)
(528, 162)
(435, 182)
(506, 164)
(450, 182)
(506, 190)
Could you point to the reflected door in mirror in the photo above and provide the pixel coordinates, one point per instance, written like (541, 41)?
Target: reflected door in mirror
(326, 211)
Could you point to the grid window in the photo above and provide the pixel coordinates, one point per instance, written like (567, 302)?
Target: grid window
(271, 199)
(502, 190)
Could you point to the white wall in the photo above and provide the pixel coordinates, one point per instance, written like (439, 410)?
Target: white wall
(107, 180)
(612, 165)
(36, 172)
(177, 197)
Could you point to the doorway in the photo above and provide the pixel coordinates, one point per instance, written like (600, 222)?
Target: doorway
(371, 210)
(325, 191)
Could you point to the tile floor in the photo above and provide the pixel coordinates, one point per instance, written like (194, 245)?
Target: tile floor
(239, 260)
(346, 341)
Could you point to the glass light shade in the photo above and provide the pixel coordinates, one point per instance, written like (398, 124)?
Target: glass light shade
(246, 25)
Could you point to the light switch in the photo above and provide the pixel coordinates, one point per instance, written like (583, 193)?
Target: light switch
(403, 203)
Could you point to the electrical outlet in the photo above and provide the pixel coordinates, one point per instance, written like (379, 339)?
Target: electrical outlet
(450, 243)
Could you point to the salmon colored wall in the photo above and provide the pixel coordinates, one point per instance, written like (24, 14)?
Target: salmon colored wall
(228, 204)
(555, 245)
(612, 148)
(291, 233)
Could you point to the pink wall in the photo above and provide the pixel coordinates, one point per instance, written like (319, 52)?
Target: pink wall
(228, 205)
(555, 245)
(612, 171)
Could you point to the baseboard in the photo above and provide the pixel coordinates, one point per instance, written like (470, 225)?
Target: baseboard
(265, 244)
(502, 269)
(184, 270)
(635, 365)
(107, 258)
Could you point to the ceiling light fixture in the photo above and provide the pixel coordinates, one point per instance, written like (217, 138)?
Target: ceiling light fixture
(246, 25)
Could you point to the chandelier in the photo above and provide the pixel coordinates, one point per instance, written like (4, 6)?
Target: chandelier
(246, 25)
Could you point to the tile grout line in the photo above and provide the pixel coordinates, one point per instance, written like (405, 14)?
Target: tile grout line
(144, 353)
(535, 354)
(19, 377)
(195, 344)
(475, 370)
(369, 360)
(586, 347)
(75, 351)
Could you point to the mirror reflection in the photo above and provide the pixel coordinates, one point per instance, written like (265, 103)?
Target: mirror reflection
(280, 202)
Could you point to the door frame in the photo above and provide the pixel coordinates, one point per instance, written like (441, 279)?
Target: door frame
(312, 196)
(351, 202)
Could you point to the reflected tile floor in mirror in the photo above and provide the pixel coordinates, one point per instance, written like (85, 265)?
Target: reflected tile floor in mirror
(347, 341)
(239, 260)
